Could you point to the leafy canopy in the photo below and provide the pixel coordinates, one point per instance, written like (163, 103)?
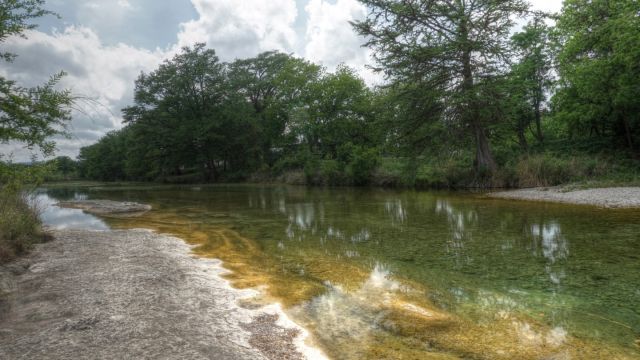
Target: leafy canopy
(30, 116)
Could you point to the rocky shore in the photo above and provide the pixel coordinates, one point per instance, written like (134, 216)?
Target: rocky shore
(133, 294)
(621, 197)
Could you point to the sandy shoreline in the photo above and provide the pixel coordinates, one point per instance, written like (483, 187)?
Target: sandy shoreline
(621, 197)
(133, 294)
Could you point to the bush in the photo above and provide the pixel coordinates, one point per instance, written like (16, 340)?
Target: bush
(19, 225)
(324, 172)
(361, 165)
(390, 172)
(549, 170)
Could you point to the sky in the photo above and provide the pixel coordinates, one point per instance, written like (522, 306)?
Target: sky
(104, 45)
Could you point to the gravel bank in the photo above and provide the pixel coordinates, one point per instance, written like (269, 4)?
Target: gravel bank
(623, 197)
(132, 294)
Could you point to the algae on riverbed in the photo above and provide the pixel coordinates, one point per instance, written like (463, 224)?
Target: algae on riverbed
(377, 274)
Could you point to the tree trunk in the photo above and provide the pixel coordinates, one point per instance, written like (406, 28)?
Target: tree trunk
(538, 114)
(522, 139)
(484, 159)
(628, 135)
(212, 171)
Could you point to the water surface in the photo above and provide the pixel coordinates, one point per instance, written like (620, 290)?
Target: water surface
(405, 274)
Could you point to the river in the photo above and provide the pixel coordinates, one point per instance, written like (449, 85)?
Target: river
(408, 274)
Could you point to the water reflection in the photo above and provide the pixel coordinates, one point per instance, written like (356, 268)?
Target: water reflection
(396, 211)
(459, 223)
(59, 218)
(553, 246)
(554, 338)
(307, 220)
(357, 317)
(476, 259)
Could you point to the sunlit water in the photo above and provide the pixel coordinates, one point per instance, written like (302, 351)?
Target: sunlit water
(386, 274)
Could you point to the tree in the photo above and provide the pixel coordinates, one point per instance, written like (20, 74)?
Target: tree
(105, 160)
(175, 108)
(29, 115)
(14, 19)
(65, 166)
(273, 83)
(450, 46)
(598, 67)
(338, 112)
(529, 80)
(533, 71)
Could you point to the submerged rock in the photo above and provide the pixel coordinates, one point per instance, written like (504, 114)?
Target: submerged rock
(107, 207)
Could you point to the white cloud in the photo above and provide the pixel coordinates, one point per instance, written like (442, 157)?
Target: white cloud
(330, 38)
(124, 4)
(103, 76)
(547, 5)
(239, 29)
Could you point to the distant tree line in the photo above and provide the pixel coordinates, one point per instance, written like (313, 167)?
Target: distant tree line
(466, 101)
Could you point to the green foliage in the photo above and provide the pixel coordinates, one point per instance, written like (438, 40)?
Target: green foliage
(18, 177)
(19, 225)
(361, 163)
(196, 119)
(467, 103)
(551, 170)
(105, 160)
(529, 81)
(599, 72)
(29, 115)
(14, 19)
(452, 50)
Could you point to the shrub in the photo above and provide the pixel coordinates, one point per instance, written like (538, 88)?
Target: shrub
(361, 165)
(549, 170)
(19, 225)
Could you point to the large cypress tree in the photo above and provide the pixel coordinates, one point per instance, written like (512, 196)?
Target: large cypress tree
(456, 47)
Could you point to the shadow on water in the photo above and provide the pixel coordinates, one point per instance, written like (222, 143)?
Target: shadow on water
(387, 274)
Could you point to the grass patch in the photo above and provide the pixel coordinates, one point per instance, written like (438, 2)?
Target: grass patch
(582, 171)
(576, 172)
(20, 226)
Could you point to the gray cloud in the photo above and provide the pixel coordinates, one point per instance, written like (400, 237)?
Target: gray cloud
(140, 23)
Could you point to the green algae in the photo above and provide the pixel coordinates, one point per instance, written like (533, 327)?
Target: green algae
(420, 275)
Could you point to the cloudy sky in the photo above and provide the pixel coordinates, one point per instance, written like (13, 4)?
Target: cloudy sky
(104, 44)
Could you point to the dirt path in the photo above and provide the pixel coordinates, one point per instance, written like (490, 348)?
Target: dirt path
(130, 295)
(623, 197)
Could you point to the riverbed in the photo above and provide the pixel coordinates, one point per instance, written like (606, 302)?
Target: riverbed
(405, 274)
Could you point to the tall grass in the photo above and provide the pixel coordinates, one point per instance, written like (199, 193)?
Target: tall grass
(20, 226)
(549, 170)
(536, 170)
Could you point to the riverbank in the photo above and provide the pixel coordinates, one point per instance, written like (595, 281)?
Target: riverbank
(615, 197)
(133, 294)
(20, 226)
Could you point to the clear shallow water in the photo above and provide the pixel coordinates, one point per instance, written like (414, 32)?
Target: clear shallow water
(59, 218)
(386, 274)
